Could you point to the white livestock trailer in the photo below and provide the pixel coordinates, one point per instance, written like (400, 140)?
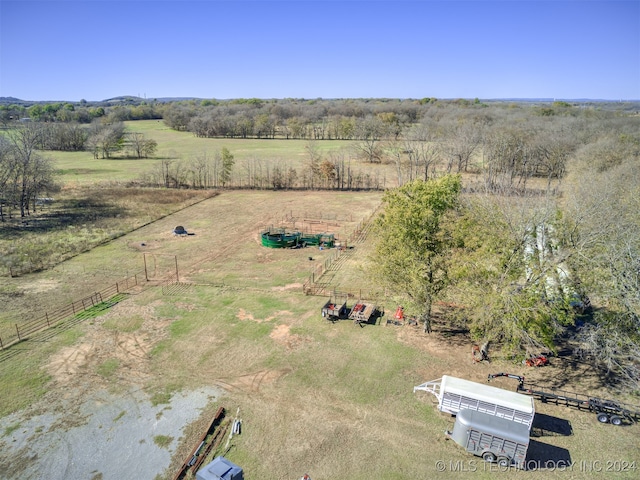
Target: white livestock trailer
(455, 394)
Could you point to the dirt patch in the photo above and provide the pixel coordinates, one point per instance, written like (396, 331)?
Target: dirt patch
(244, 315)
(281, 334)
(186, 306)
(69, 361)
(128, 352)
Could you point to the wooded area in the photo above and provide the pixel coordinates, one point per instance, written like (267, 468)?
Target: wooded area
(505, 144)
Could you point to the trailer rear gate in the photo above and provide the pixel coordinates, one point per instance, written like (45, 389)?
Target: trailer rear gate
(480, 433)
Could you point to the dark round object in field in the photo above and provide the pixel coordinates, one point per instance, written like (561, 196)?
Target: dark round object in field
(179, 230)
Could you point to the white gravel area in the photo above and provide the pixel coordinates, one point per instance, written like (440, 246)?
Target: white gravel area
(110, 436)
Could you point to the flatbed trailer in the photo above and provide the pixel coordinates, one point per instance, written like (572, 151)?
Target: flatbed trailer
(607, 411)
(211, 437)
(334, 309)
(362, 312)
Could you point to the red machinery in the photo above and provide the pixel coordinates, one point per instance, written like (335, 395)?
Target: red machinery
(539, 361)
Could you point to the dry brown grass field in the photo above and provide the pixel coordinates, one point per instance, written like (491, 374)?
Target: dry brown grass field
(330, 399)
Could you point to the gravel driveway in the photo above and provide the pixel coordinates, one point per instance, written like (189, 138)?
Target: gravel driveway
(108, 436)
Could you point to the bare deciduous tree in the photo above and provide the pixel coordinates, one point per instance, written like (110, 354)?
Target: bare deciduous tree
(602, 226)
(24, 173)
(140, 146)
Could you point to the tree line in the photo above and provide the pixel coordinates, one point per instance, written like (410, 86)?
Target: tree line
(507, 143)
(218, 169)
(103, 139)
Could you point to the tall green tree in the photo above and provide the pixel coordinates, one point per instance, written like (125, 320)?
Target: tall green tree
(411, 253)
(228, 162)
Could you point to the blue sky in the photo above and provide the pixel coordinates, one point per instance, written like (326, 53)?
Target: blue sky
(98, 49)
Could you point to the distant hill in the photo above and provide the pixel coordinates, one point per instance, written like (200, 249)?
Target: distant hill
(121, 100)
(11, 101)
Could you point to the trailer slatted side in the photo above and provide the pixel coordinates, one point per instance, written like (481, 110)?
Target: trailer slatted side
(453, 403)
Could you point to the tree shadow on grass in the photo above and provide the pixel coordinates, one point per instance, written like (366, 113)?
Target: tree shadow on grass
(73, 212)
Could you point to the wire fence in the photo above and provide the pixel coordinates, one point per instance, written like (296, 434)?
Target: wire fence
(313, 284)
(52, 318)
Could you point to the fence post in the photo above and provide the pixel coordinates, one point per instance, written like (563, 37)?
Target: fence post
(46, 315)
(1, 346)
(18, 332)
(117, 289)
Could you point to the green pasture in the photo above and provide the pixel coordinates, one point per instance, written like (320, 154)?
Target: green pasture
(22, 376)
(80, 168)
(184, 144)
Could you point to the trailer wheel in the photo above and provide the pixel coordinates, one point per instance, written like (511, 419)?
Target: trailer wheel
(488, 457)
(603, 418)
(504, 461)
(616, 420)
